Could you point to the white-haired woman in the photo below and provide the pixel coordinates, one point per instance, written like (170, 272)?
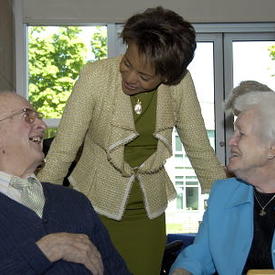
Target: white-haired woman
(237, 233)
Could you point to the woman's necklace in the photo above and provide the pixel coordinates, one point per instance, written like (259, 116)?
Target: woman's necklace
(263, 212)
(138, 107)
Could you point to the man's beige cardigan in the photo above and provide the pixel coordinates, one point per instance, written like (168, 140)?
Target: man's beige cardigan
(100, 113)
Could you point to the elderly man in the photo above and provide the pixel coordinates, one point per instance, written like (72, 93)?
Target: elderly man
(45, 228)
(237, 233)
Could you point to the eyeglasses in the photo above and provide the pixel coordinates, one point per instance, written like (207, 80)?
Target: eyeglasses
(28, 114)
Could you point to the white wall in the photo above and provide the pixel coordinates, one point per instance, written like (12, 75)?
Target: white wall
(108, 11)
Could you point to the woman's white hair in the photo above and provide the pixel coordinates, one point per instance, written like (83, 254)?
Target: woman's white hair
(244, 87)
(264, 106)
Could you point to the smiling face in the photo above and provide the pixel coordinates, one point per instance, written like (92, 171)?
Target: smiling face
(249, 152)
(138, 76)
(20, 140)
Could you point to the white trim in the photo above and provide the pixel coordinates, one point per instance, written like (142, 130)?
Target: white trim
(118, 216)
(150, 215)
(73, 183)
(165, 141)
(122, 141)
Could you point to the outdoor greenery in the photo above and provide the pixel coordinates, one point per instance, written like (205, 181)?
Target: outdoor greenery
(272, 55)
(99, 43)
(55, 60)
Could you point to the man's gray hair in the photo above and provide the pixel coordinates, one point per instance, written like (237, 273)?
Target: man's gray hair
(264, 106)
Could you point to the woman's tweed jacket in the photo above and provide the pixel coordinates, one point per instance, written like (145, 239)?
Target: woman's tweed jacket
(100, 113)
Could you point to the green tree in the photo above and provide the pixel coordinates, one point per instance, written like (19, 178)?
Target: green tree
(54, 64)
(99, 43)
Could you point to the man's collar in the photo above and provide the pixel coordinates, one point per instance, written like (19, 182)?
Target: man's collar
(6, 177)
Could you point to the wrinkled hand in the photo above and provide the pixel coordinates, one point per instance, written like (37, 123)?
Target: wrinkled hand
(181, 272)
(76, 248)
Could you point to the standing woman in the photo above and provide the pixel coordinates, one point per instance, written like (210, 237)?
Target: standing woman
(124, 110)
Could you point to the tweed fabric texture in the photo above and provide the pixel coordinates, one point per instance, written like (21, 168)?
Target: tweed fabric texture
(99, 113)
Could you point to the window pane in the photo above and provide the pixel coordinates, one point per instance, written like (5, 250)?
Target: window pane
(179, 156)
(178, 144)
(178, 212)
(202, 71)
(180, 198)
(55, 57)
(192, 198)
(254, 60)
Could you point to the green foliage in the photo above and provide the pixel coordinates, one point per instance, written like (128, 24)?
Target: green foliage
(99, 43)
(271, 50)
(50, 132)
(174, 228)
(54, 64)
(55, 60)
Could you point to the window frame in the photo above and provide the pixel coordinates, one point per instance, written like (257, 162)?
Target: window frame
(221, 35)
(266, 34)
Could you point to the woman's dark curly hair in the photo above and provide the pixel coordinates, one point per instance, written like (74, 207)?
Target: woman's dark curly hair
(165, 38)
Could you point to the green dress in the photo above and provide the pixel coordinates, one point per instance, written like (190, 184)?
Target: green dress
(139, 240)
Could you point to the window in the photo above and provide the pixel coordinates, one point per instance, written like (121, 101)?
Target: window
(187, 192)
(55, 56)
(225, 55)
(252, 60)
(178, 145)
(221, 61)
(179, 182)
(249, 56)
(180, 198)
(179, 156)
